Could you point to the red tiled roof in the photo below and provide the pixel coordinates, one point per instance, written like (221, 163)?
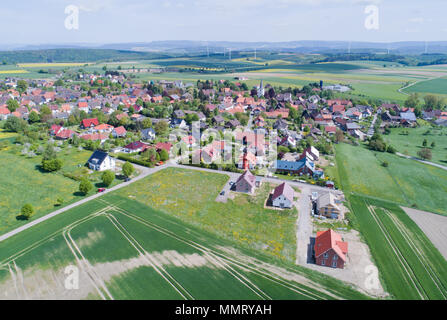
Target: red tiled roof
(136, 145)
(65, 134)
(164, 146)
(89, 122)
(4, 111)
(329, 239)
(95, 136)
(120, 131)
(104, 126)
(338, 108)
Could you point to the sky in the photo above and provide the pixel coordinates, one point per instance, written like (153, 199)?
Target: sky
(122, 21)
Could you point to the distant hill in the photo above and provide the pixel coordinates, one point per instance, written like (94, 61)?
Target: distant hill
(75, 55)
(304, 46)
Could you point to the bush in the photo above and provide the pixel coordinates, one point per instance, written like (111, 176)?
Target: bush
(164, 155)
(425, 154)
(15, 124)
(108, 177)
(59, 202)
(85, 186)
(128, 169)
(391, 149)
(52, 165)
(136, 161)
(27, 211)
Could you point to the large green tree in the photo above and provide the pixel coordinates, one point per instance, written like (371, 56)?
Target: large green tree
(85, 186)
(128, 169)
(108, 177)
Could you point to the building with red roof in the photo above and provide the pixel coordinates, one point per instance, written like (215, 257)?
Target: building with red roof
(330, 249)
(136, 146)
(104, 128)
(96, 136)
(330, 129)
(163, 146)
(4, 113)
(65, 134)
(88, 123)
(119, 132)
(54, 130)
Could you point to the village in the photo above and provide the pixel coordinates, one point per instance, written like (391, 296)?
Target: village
(121, 121)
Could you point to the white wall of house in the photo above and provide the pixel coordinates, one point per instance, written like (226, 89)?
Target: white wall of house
(108, 164)
(282, 202)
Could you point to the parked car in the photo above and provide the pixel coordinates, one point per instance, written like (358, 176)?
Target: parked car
(222, 193)
(101, 189)
(160, 163)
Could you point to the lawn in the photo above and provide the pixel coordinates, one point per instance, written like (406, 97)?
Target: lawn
(404, 181)
(410, 266)
(410, 144)
(190, 196)
(131, 251)
(22, 182)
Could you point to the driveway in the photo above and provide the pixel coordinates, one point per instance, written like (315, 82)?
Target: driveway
(226, 189)
(304, 226)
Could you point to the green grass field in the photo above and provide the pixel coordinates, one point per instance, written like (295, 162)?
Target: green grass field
(190, 196)
(405, 182)
(21, 182)
(127, 250)
(410, 266)
(410, 144)
(437, 86)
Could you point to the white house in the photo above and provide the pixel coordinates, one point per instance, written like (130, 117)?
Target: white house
(101, 161)
(283, 196)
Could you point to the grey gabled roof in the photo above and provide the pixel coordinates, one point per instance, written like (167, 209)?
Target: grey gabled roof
(99, 155)
(284, 189)
(410, 116)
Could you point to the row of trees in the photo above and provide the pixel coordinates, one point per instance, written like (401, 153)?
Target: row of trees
(85, 186)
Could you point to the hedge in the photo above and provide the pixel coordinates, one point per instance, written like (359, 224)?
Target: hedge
(136, 161)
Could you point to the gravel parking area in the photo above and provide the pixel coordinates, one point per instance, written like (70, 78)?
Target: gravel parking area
(226, 189)
(433, 225)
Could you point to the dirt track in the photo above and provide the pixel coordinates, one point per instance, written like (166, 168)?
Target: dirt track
(433, 225)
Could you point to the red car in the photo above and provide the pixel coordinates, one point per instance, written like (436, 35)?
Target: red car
(101, 189)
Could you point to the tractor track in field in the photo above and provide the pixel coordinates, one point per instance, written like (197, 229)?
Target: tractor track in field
(403, 262)
(67, 237)
(229, 260)
(82, 262)
(142, 252)
(226, 267)
(42, 241)
(421, 256)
